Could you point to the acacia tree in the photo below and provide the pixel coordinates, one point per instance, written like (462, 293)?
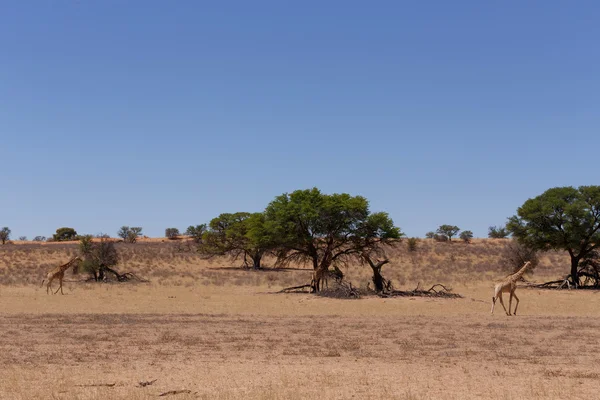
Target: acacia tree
(561, 218)
(237, 235)
(99, 257)
(325, 230)
(64, 234)
(376, 232)
(172, 233)
(129, 235)
(4, 234)
(196, 232)
(448, 231)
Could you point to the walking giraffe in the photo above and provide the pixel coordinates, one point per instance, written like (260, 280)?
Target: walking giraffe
(59, 272)
(509, 285)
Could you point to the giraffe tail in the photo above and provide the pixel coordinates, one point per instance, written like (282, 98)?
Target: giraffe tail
(43, 280)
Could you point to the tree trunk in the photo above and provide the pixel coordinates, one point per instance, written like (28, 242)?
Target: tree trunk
(377, 278)
(574, 273)
(376, 267)
(256, 261)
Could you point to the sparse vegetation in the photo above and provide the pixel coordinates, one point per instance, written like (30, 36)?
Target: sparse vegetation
(39, 239)
(412, 244)
(516, 254)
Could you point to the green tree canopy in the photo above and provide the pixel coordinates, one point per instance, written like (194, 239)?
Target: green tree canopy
(64, 234)
(326, 230)
(237, 235)
(448, 231)
(561, 218)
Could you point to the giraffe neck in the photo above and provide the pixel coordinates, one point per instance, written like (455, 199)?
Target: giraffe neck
(69, 264)
(517, 275)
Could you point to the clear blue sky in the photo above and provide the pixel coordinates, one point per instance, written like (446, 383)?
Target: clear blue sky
(167, 113)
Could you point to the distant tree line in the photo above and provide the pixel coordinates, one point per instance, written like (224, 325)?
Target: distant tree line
(328, 231)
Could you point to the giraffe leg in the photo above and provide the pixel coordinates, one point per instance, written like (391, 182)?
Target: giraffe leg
(60, 279)
(517, 305)
(502, 302)
(49, 285)
(510, 302)
(493, 303)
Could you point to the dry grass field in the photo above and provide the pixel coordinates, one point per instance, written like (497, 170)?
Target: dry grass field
(216, 331)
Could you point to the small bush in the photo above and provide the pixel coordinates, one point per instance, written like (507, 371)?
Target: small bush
(171, 233)
(466, 236)
(23, 238)
(440, 238)
(39, 239)
(4, 234)
(498, 232)
(412, 243)
(516, 254)
(430, 235)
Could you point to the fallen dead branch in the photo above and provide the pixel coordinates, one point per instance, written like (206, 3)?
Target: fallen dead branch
(146, 383)
(437, 290)
(340, 290)
(97, 385)
(296, 289)
(174, 392)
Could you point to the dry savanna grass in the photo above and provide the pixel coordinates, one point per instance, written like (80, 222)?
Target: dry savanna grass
(214, 331)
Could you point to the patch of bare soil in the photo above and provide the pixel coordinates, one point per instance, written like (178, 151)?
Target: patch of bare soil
(231, 343)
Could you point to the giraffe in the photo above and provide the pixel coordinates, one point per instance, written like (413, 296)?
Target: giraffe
(509, 285)
(59, 272)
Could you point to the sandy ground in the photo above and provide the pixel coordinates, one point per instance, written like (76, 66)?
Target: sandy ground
(231, 342)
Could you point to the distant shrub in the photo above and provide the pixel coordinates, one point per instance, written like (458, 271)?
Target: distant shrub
(498, 232)
(171, 233)
(196, 232)
(466, 236)
(516, 254)
(448, 231)
(129, 235)
(98, 257)
(4, 234)
(440, 238)
(412, 243)
(430, 235)
(64, 234)
(39, 239)
(23, 238)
